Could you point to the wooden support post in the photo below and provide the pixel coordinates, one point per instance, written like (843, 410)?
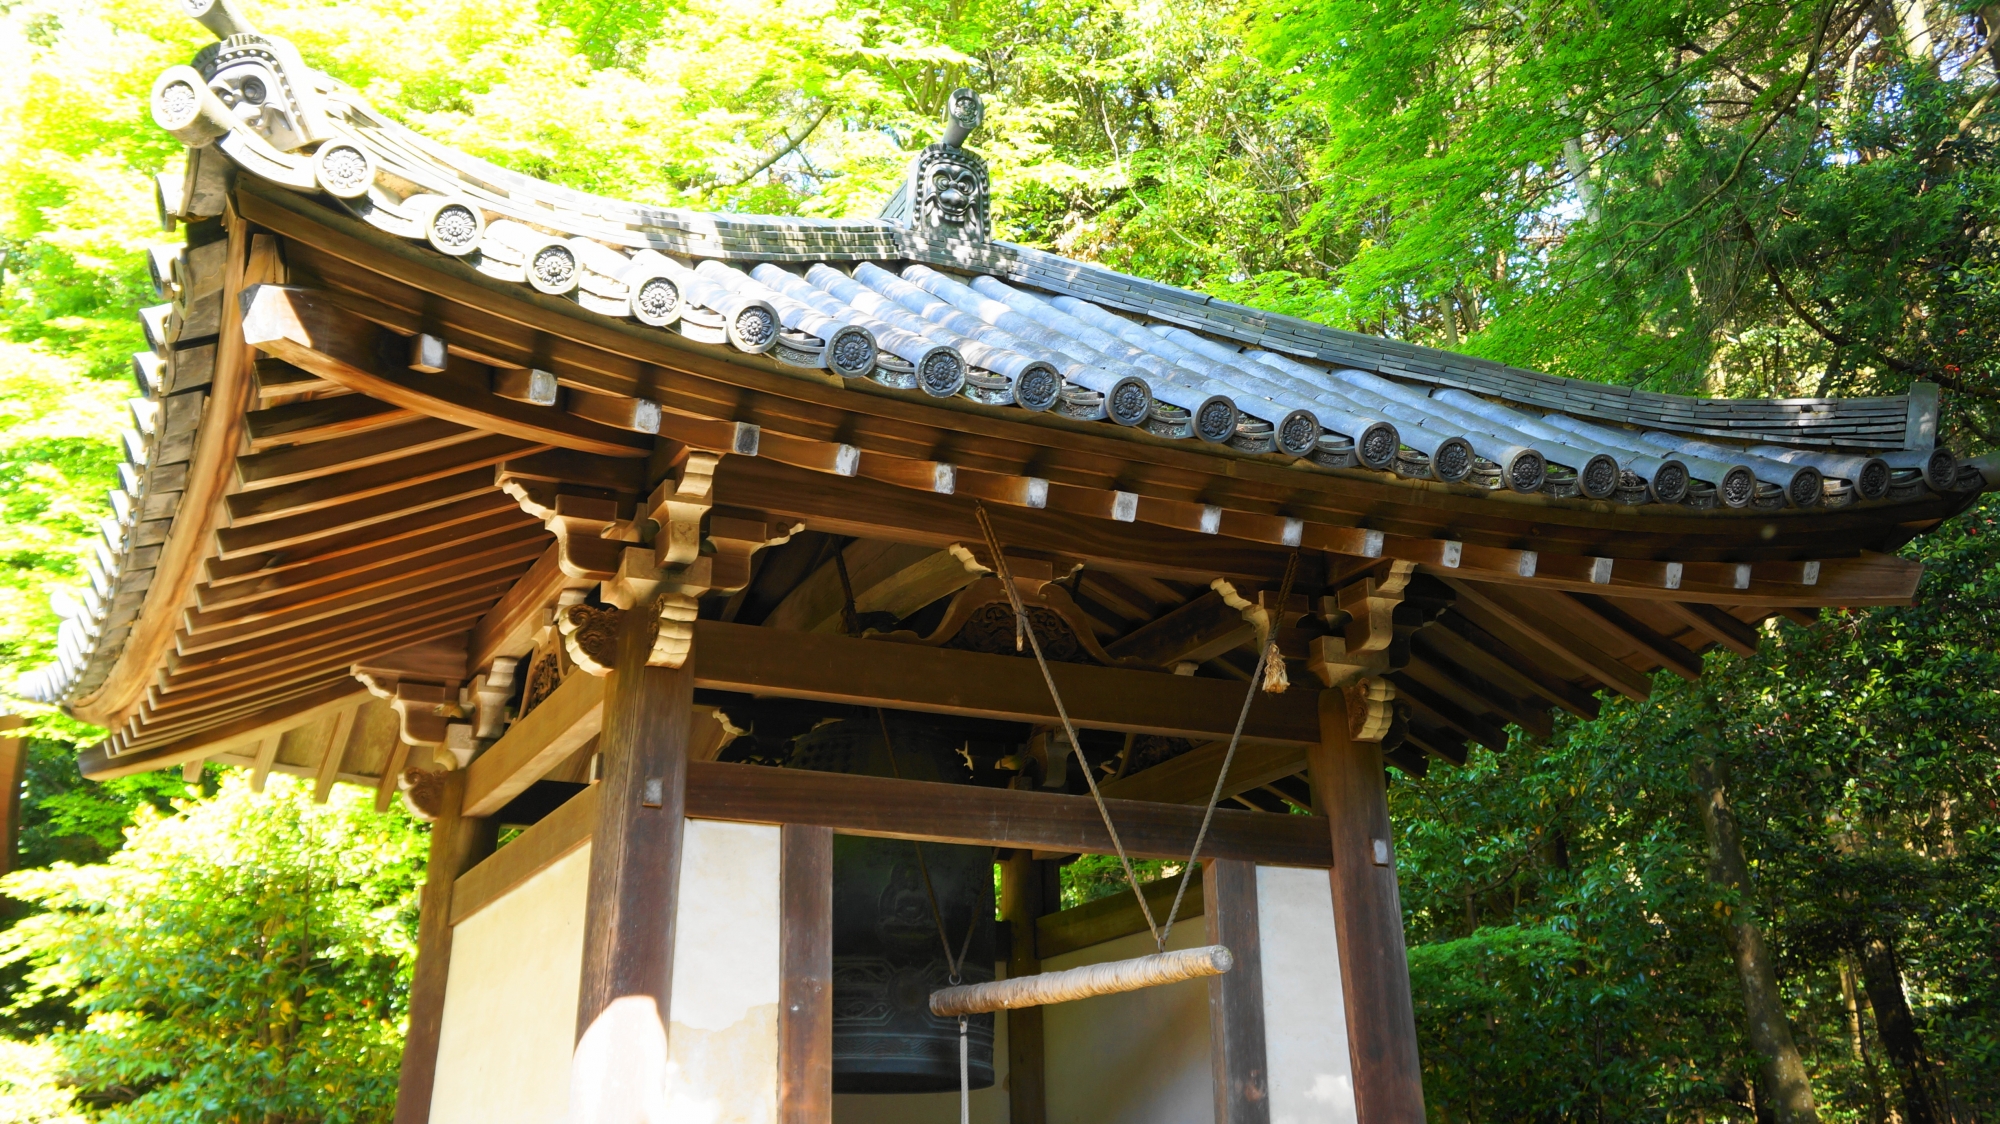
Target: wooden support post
(1236, 998)
(1025, 886)
(805, 1005)
(457, 844)
(625, 1000)
(13, 768)
(1349, 789)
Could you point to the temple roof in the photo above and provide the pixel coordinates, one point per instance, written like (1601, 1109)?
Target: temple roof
(923, 305)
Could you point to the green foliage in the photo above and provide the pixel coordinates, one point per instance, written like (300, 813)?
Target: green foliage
(1709, 197)
(243, 959)
(1557, 894)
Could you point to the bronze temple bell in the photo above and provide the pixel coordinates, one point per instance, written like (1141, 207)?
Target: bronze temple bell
(887, 956)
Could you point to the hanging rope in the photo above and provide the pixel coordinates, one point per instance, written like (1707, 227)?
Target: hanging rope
(1023, 626)
(1266, 655)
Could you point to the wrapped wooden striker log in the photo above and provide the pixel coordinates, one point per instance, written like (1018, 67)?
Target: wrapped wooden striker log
(1082, 983)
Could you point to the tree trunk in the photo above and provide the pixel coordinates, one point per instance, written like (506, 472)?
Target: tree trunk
(1883, 980)
(1784, 1087)
(1850, 998)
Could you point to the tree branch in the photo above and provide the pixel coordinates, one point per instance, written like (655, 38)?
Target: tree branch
(791, 143)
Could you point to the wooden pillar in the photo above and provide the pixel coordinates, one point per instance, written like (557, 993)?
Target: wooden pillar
(1348, 787)
(624, 1001)
(1027, 889)
(805, 1005)
(457, 843)
(1236, 998)
(13, 769)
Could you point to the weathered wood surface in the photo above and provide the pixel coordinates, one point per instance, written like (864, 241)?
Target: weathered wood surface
(636, 848)
(537, 742)
(880, 673)
(534, 850)
(805, 1000)
(1242, 1080)
(994, 817)
(1348, 787)
(457, 842)
(1025, 890)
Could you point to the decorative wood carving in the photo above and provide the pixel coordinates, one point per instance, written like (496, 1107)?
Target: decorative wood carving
(488, 697)
(1371, 710)
(980, 618)
(425, 710)
(1375, 624)
(674, 616)
(678, 505)
(737, 538)
(423, 792)
(590, 636)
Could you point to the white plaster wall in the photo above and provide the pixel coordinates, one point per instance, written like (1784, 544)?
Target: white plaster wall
(510, 1003)
(1305, 1017)
(1136, 1058)
(722, 1044)
(989, 1105)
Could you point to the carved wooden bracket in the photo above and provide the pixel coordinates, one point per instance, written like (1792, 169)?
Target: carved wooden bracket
(425, 709)
(487, 697)
(1371, 709)
(590, 635)
(423, 792)
(1375, 625)
(673, 638)
(678, 505)
(737, 537)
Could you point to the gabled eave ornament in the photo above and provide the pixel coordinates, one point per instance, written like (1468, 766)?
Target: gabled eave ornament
(945, 200)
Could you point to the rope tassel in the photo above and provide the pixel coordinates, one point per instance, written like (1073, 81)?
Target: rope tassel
(1082, 983)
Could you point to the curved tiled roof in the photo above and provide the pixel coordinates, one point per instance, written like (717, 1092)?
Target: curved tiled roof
(923, 303)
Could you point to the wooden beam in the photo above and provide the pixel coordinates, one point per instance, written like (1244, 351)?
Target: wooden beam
(993, 817)
(1199, 631)
(294, 463)
(401, 505)
(98, 764)
(872, 510)
(319, 420)
(1190, 777)
(264, 505)
(829, 668)
(310, 331)
(509, 626)
(222, 572)
(1115, 915)
(400, 551)
(328, 769)
(1241, 1081)
(537, 742)
(534, 850)
(1615, 621)
(1368, 922)
(1581, 655)
(457, 842)
(805, 956)
(1466, 643)
(1718, 626)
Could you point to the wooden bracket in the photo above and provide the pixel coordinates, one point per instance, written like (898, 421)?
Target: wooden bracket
(487, 697)
(590, 635)
(738, 536)
(678, 505)
(674, 616)
(1371, 710)
(425, 709)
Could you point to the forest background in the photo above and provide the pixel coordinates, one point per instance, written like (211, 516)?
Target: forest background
(1725, 197)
